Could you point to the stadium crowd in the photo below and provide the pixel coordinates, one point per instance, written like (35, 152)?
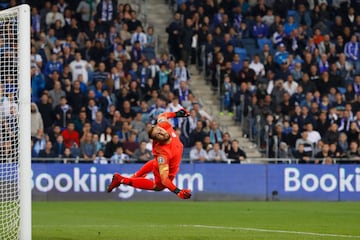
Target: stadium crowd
(293, 66)
(97, 84)
(289, 71)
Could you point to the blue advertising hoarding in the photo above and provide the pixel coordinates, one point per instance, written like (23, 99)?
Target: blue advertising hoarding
(207, 181)
(303, 182)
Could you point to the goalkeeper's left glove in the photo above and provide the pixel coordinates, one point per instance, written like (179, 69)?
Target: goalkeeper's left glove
(182, 113)
(183, 194)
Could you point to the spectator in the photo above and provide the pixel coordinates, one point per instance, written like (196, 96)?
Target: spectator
(186, 35)
(235, 153)
(119, 156)
(39, 142)
(352, 51)
(106, 12)
(47, 152)
(71, 136)
(124, 34)
(59, 146)
(258, 67)
(37, 84)
(111, 146)
(105, 136)
(174, 30)
(343, 143)
(215, 133)
(259, 29)
(87, 10)
(53, 16)
(63, 113)
(80, 67)
(197, 153)
(216, 154)
(130, 145)
(308, 146)
(290, 85)
(100, 158)
(137, 125)
(53, 65)
(68, 156)
(88, 147)
(313, 135)
(127, 114)
(139, 36)
(301, 155)
(36, 120)
(353, 152)
(323, 156)
(133, 22)
(56, 94)
(99, 124)
(142, 154)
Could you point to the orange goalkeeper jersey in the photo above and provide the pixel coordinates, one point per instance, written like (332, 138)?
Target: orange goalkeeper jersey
(170, 153)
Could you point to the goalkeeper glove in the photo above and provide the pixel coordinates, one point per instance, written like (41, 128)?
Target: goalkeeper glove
(182, 113)
(183, 194)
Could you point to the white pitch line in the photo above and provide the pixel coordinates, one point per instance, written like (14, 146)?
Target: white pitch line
(273, 231)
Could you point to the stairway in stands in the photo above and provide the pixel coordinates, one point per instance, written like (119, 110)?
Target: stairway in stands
(159, 14)
(211, 104)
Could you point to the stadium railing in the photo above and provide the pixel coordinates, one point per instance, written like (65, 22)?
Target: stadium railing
(188, 160)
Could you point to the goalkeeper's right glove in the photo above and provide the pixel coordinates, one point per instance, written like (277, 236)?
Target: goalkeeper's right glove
(182, 113)
(183, 194)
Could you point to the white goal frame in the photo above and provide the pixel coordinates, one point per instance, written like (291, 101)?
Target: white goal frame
(25, 180)
(24, 119)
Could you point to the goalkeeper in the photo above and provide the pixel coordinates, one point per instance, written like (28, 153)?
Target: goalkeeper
(167, 151)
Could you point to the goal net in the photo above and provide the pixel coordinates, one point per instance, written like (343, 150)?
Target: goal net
(15, 153)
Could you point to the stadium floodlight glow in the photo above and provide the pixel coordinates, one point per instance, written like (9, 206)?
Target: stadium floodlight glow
(15, 125)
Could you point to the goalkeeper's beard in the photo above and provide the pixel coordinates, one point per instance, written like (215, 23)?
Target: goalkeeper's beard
(164, 140)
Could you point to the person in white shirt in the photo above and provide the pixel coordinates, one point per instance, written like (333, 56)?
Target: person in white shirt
(313, 135)
(197, 153)
(139, 36)
(53, 16)
(290, 85)
(181, 74)
(36, 59)
(154, 68)
(257, 66)
(79, 67)
(100, 158)
(175, 106)
(269, 18)
(119, 156)
(216, 154)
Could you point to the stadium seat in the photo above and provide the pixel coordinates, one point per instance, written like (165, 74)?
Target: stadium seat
(248, 43)
(291, 13)
(262, 41)
(186, 153)
(242, 52)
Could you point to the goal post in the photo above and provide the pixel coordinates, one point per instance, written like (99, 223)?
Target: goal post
(15, 124)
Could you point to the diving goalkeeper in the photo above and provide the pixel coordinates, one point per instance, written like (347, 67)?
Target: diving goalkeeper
(167, 151)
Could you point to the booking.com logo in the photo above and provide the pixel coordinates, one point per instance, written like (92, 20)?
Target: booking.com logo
(92, 181)
(327, 182)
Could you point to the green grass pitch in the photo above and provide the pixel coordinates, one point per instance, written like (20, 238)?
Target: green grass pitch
(195, 220)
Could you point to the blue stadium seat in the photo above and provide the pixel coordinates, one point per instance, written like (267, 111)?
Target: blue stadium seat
(262, 41)
(242, 52)
(252, 51)
(248, 43)
(291, 13)
(186, 153)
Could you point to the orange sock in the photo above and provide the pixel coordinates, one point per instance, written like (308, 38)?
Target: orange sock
(145, 169)
(142, 183)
